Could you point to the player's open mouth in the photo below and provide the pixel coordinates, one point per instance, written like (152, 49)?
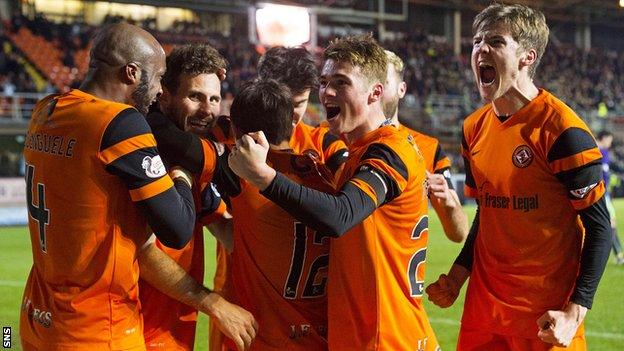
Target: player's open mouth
(487, 74)
(332, 111)
(198, 123)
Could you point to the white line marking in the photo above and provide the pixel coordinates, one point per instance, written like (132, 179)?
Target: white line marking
(600, 335)
(13, 283)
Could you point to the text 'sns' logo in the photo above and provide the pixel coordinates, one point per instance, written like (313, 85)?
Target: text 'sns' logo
(522, 156)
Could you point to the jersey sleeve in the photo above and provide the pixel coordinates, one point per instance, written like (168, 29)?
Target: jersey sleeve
(128, 150)
(212, 205)
(387, 165)
(335, 151)
(441, 162)
(442, 165)
(576, 161)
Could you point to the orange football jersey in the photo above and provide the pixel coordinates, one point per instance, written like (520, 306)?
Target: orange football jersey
(82, 291)
(173, 328)
(436, 160)
(278, 268)
(377, 268)
(527, 251)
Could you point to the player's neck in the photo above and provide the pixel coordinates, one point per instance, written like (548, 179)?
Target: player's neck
(103, 90)
(515, 99)
(395, 118)
(371, 123)
(284, 145)
(374, 119)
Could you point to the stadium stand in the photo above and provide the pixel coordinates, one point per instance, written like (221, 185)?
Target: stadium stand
(42, 56)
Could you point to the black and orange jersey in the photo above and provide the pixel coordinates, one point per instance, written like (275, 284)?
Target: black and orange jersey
(436, 160)
(377, 270)
(89, 162)
(332, 151)
(531, 174)
(278, 268)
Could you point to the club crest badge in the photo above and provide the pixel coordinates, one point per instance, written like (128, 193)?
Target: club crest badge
(582, 192)
(522, 156)
(153, 166)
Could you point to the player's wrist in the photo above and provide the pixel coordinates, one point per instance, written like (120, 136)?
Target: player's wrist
(264, 177)
(576, 312)
(457, 276)
(452, 200)
(211, 303)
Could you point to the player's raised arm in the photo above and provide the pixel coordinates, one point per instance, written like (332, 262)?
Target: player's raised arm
(369, 188)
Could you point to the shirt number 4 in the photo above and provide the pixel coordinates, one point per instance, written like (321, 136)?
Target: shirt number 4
(38, 212)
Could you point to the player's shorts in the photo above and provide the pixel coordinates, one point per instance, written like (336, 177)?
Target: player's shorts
(474, 340)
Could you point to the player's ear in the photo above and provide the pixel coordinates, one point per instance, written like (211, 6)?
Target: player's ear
(402, 89)
(131, 74)
(528, 58)
(165, 98)
(376, 93)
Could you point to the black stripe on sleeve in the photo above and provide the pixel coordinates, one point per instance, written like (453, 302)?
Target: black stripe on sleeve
(127, 124)
(385, 187)
(571, 142)
(130, 169)
(328, 139)
(336, 159)
(583, 176)
(386, 154)
(469, 177)
(439, 154)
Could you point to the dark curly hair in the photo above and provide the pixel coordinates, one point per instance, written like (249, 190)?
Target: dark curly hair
(295, 67)
(266, 105)
(191, 59)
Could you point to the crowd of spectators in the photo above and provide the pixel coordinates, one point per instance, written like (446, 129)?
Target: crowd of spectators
(582, 79)
(432, 68)
(586, 81)
(13, 77)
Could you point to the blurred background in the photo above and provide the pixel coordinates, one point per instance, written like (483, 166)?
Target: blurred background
(44, 46)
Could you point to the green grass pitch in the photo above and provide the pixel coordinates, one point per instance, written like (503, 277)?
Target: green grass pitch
(604, 323)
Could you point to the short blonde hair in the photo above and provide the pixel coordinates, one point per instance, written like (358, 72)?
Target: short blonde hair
(397, 63)
(527, 26)
(361, 51)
